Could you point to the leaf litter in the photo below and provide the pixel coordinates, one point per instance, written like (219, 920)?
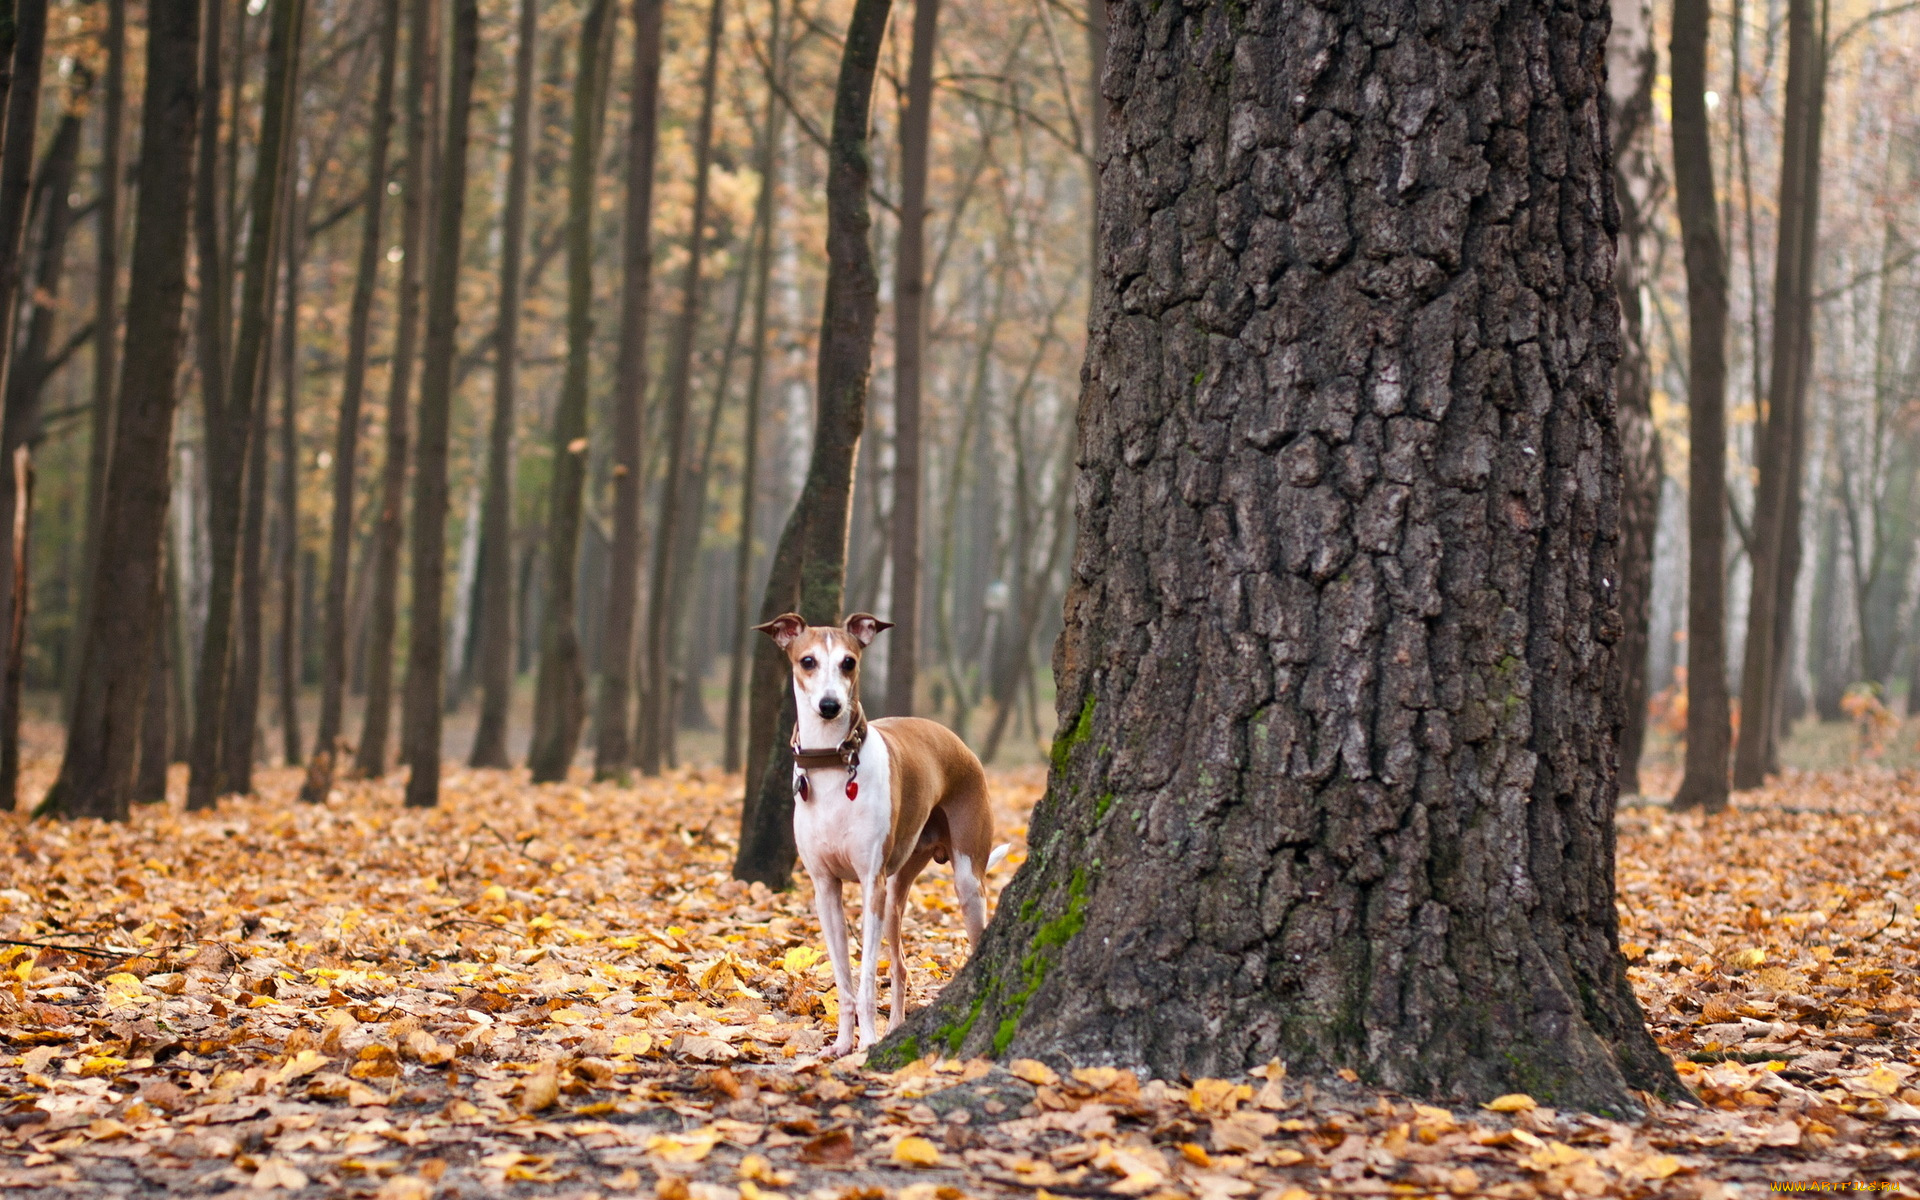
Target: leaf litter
(559, 990)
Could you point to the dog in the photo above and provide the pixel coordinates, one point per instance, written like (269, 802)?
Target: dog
(874, 803)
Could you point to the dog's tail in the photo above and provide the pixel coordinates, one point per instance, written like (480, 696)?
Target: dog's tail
(998, 856)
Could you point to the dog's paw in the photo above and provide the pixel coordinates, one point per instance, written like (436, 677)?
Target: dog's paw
(842, 1048)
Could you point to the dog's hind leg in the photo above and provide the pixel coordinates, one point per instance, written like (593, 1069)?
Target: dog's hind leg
(897, 889)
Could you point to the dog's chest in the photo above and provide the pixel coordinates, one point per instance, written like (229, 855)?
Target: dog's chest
(846, 838)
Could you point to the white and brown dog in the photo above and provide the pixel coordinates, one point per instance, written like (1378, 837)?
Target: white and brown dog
(874, 803)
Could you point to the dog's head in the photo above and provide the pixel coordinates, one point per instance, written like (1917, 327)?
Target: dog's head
(825, 659)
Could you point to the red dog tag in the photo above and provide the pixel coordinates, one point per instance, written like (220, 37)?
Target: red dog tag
(853, 789)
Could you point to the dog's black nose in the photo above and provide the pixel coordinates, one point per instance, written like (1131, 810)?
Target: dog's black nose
(829, 708)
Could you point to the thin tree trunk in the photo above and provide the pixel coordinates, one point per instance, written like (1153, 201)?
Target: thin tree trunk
(496, 516)
(764, 210)
(613, 748)
(97, 769)
(106, 327)
(16, 164)
(1708, 719)
(909, 338)
(1631, 69)
(22, 506)
(289, 541)
(231, 431)
(26, 382)
(656, 706)
(559, 702)
(27, 21)
(809, 564)
(426, 643)
(156, 723)
(1776, 508)
(416, 206)
(1373, 680)
(240, 725)
(346, 439)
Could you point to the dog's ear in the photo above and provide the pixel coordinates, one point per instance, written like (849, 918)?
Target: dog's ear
(784, 628)
(865, 627)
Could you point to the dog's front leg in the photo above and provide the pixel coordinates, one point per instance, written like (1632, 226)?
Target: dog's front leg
(873, 903)
(833, 927)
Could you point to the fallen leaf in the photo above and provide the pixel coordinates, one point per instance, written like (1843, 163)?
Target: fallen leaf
(916, 1152)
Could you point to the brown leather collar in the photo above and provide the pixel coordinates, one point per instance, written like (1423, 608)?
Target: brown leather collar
(846, 754)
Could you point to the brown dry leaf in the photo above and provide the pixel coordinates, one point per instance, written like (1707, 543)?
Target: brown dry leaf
(1034, 1071)
(833, 1146)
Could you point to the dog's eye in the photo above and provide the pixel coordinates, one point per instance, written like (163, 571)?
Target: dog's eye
(808, 663)
(846, 664)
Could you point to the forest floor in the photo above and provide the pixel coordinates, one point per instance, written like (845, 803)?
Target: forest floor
(558, 991)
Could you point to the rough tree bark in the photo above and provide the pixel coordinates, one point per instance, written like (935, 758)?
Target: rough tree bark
(809, 564)
(612, 745)
(1709, 730)
(370, 758)
(96, 771)
(559, 699)
(1348, 486)
(496, 513)
(764, 208)
(231, 428)
(1631, 68)
(1776, 504)
(426, 639)
(656, 687)
(346, 434)
(909, 338)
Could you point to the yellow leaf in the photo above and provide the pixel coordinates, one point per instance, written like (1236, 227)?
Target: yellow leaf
(1882, 1081)
(800, 959)
(1749, 958)
(1512, 1102)
(306, 1062)
(1657, 1166)
(1195, 1154)
(1217, 1095)
(916, 1152)
(683, 1147)
(262, 1002)
(102, 1064)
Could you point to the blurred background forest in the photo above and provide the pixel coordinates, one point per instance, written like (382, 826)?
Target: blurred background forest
(734, 261)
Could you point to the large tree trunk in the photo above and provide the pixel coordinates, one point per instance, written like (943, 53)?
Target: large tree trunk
(612, 745)
(416, 206)
(97, 770)
(809, 564)
(231, 430)
(1631, 67)
(496, 514)
(1709, 720)
(909, 338)
(559, 699)
(346, 435)
(656, 689)
(1348, 479)
(764, 209)
(426, 641)
(1776, 499)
